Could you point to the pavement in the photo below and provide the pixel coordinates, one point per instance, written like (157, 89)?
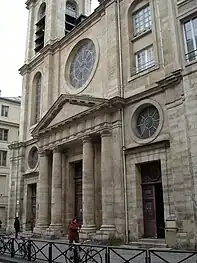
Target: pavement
(119, 254)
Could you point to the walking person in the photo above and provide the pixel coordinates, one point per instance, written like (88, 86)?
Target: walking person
(16, 227)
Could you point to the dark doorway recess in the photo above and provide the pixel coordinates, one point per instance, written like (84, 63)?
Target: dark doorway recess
(152, 196)
(78, 190)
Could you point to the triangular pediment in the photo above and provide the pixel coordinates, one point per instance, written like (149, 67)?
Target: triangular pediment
(66, 107)
(67, 111)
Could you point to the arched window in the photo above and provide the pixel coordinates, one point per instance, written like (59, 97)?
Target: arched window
(40, 28)
(36, 96)
(41, 11)
(70, 16)
(71, 9)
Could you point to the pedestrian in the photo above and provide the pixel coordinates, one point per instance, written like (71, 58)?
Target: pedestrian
(73, 231)
(16, 227)
(0, 223)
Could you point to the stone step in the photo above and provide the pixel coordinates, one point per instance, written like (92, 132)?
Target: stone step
(149, 243)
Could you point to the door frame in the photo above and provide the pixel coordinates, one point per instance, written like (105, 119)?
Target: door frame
(148, 181)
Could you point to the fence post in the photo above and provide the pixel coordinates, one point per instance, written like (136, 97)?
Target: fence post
(29, 250)
(12, 247)
(147, 258)
(76, 254)
(50, 253)
(107, 255)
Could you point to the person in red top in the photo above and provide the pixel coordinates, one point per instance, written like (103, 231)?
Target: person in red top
(73, 231)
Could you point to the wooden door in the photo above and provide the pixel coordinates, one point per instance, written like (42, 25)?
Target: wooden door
(78, 198)
(149, 208)
(78, 191)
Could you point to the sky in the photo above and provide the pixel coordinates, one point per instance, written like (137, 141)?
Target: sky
(13, 28)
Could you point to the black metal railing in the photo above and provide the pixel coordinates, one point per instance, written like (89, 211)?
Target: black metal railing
(59, 252)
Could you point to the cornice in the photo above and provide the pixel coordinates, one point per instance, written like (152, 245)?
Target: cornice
(82, 100)
(29, 2)
(16, 145)
(8, 123)
(169, 82)
(96, 105)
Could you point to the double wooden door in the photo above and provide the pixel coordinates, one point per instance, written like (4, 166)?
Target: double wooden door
(152, 195)
(78, 191)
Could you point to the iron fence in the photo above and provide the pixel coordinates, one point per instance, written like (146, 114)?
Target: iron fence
(59, 252)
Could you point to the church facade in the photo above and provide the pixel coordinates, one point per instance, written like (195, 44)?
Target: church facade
(108, 120)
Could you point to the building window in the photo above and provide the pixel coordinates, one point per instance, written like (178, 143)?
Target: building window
(71, 9)
(37, 98)
(190, 37)
(3, 134)
(33, 157)
(147, 122)
(3, 158)
(82, 64)
(40, 28)
(4, 110)
(71, 16)
(142, 21)
(144, 59)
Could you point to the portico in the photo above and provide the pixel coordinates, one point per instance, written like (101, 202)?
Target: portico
(55, 146)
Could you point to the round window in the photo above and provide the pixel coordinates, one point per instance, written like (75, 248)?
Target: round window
(147, 122)
(82, 64)
(33, 157)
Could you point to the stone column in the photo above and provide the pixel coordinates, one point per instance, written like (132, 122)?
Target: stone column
(106, 182)
(56, 191)
(88, 186)
(43, 192)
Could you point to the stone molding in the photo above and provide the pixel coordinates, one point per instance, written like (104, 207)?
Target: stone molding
(16, 145)
(95, 104)
(106, 133)
(56, 149)
(42, 153)
(86, 139)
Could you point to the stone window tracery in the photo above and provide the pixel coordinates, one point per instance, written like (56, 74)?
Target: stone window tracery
(33, 157)
(82, 64)
(147, 122)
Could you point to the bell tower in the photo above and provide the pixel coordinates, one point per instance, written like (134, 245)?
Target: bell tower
(51, 20)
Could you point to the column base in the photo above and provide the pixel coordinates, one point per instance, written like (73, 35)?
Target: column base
(54, 231)
(87, 230)
(107, 228)
(39, 230)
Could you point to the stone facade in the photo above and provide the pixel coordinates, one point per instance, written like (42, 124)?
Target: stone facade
(116, 139)
(9, 131)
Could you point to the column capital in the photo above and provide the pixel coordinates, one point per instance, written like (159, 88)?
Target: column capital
(56, 149)
(42, 153)
(106, 133)
(86, 138)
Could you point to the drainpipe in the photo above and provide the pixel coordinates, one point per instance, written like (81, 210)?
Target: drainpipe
(121, 94)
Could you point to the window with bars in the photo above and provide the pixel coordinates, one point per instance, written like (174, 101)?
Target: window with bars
(142, 20)
(144, 59)
(190, 39)
(3, 134)
(37, 97)
(3, 158)
(4, 110)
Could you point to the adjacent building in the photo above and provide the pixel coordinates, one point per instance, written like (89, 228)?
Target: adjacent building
(9, 132)
(109, 120)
